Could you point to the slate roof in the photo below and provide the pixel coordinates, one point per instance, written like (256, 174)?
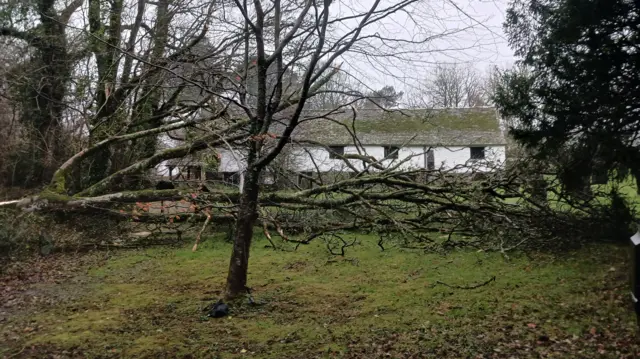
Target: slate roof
(423, 127)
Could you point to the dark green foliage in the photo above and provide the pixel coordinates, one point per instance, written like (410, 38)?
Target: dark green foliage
(386, 97)
(576, 96)
(620, 218)
(611, 220)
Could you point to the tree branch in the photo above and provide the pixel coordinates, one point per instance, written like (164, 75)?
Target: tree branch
(22, 35)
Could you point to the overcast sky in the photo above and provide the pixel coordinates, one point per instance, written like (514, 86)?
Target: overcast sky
(464, 32)
(476, 39)
(492, 13)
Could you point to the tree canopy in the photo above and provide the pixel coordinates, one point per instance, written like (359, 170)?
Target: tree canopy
(575, 96)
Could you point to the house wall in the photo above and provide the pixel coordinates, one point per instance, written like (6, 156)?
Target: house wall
(231, 161)
(457, 159)
(162, 170)
(311, 159)
(413, 157)
(447, 158)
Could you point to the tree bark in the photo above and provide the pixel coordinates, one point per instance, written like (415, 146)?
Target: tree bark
(538, 187)
(247, 215)
(43, 96)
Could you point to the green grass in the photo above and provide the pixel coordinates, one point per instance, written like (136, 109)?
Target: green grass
(627, 189)
(370, 304)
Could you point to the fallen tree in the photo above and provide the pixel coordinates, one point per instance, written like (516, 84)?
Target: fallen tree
(183, 94)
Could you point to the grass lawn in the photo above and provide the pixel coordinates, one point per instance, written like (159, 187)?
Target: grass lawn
(627, 189)
(371, 304)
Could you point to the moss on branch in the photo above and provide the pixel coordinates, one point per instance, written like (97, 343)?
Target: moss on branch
(58, 182)
(204, 143)
(54, 197)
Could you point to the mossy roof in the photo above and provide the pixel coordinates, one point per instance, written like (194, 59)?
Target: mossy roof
(422, 127)
(433, 127)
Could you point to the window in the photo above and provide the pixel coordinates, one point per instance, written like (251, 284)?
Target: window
(477, 153)
(336, 151)
(197, 172)
(431, 161)
(391, 152)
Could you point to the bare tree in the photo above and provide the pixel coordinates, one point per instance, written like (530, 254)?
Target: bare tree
(99, 69)
(452, 86)
(340, 90)
(232, 75)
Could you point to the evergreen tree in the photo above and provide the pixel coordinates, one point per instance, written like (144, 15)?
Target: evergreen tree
(576, 96)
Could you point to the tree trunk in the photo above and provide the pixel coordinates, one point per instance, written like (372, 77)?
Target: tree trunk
(539, 189)
(43, 95)
(247, 214)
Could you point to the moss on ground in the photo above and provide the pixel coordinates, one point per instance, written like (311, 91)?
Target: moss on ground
(370, 304)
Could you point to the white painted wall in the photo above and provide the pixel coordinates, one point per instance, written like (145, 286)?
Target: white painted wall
(312, 159)
(456, 159)
(309, 159)
(162, 170)
(231, 161)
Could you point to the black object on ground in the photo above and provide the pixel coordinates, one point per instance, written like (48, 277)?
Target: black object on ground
(219, 310)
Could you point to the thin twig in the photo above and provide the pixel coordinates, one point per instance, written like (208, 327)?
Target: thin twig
(265, 230)
(195, 246)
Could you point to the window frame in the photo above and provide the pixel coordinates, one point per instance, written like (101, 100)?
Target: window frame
(391, 152)
(483, 153)
(333, 154)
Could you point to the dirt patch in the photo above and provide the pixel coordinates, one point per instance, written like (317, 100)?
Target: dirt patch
(37, 281)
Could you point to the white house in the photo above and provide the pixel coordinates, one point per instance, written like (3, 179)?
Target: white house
(459, 140)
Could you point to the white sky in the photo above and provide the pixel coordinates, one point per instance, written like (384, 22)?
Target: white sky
(492, 13)
(481, 42)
